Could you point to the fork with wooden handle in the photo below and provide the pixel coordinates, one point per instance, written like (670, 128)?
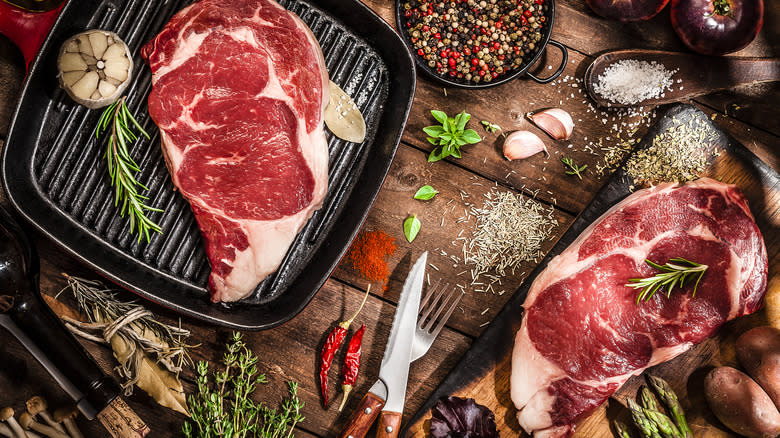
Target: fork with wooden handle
(436, 308)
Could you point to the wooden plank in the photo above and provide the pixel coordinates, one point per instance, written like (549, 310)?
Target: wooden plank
(686, 372)
(409, 172)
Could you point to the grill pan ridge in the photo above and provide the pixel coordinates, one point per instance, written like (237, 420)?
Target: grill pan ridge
(63, 187)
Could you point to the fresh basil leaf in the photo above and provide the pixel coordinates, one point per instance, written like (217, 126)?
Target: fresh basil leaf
(463, 119)
(471, 136)
(434, 156)
(433, 131)
(440, 116)
(451, 125)
(445, 136)
(460, 141)
(455, 152)
(411, 227)
(433, 140)
(425, 193)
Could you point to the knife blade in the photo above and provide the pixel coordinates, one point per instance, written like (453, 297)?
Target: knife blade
(389, 393)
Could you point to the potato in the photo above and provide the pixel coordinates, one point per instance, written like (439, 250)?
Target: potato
(758, 351)
(741, 404)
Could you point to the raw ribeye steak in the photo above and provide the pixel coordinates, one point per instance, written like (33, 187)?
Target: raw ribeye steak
(584, 335)
(239, 90)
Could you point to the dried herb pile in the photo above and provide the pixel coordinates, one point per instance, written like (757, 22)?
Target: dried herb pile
(510, 229)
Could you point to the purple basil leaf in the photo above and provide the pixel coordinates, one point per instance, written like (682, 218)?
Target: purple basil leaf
(456, 417)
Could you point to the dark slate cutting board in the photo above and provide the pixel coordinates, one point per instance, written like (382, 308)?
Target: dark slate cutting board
(483, 372)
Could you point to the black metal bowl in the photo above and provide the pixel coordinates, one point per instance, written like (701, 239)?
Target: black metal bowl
(501, 79)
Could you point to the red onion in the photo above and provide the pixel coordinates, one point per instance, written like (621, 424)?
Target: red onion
(627, 10)
(715, 27)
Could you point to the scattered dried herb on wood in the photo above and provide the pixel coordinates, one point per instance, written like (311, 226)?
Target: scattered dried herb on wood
(229, 410)
(351, 367)
(150, 354)
(331, 346)
(510, 229)
(678, 154)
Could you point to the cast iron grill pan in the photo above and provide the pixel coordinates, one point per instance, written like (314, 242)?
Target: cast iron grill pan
(55, 174)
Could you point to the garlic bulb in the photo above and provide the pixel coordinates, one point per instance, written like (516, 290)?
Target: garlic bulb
(556, 122)
(522, 144)
(94, 68)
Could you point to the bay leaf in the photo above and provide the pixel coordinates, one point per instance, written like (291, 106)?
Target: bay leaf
(162, 385)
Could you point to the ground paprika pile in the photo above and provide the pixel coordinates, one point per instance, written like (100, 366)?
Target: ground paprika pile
(368, 254)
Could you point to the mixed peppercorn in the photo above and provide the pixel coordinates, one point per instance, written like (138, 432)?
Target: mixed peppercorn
(475, 40)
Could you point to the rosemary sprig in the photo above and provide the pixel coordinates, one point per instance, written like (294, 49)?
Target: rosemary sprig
(575, 169)
(672, 274)
(228, 410)
(122, 168)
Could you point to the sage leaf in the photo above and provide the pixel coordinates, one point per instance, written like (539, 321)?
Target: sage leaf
(425, 193)
(411, 227)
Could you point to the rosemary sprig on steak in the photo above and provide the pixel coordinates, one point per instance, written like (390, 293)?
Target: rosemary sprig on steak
(122, 168)
(675, 272)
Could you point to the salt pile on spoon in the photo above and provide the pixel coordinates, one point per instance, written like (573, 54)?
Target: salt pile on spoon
(630, 81)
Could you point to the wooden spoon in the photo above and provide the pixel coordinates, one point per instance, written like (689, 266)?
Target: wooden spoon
(700, 74)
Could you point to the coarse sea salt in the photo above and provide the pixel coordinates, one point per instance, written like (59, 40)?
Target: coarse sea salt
(630, 81)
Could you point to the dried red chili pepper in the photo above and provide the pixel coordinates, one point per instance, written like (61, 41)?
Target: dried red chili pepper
(349, 371)
(332, 344)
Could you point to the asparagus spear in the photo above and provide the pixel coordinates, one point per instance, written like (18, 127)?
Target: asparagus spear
(648, 401)
(621, 430)
(664, 423)
(665, 393)
(647, 428)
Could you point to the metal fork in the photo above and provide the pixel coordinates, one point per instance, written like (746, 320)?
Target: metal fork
(435, 309)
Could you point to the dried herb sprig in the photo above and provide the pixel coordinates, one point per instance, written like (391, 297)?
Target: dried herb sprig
(122, 168)
(575, 169)
(129, 320)
(228, 410)
(672, 274)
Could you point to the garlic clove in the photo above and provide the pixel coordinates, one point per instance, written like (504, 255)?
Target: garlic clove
(99, 42)
(85, 86)
(556, 122)
(522, 144)
(71, 62)
(106, 89)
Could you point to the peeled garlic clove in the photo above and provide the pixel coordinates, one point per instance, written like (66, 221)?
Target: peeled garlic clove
(95, 68)
(556, 122)
(522, 144)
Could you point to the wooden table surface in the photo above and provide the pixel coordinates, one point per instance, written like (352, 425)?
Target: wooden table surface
(290, 351)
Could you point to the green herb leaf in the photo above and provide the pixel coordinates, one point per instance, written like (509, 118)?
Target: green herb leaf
(425, 192)
(575, 169)
(440, 116)
(450, 135)
(490, 127)
(433, 131)
(471, 136)
(411, 227)
(463, 118)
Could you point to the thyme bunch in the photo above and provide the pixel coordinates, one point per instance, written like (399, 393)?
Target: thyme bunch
(228, 410)
(122, 168)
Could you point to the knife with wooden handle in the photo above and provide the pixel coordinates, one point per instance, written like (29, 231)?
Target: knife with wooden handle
(386, 398)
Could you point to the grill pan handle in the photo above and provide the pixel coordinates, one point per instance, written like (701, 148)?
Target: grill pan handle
(27, 317)
(562, 67)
